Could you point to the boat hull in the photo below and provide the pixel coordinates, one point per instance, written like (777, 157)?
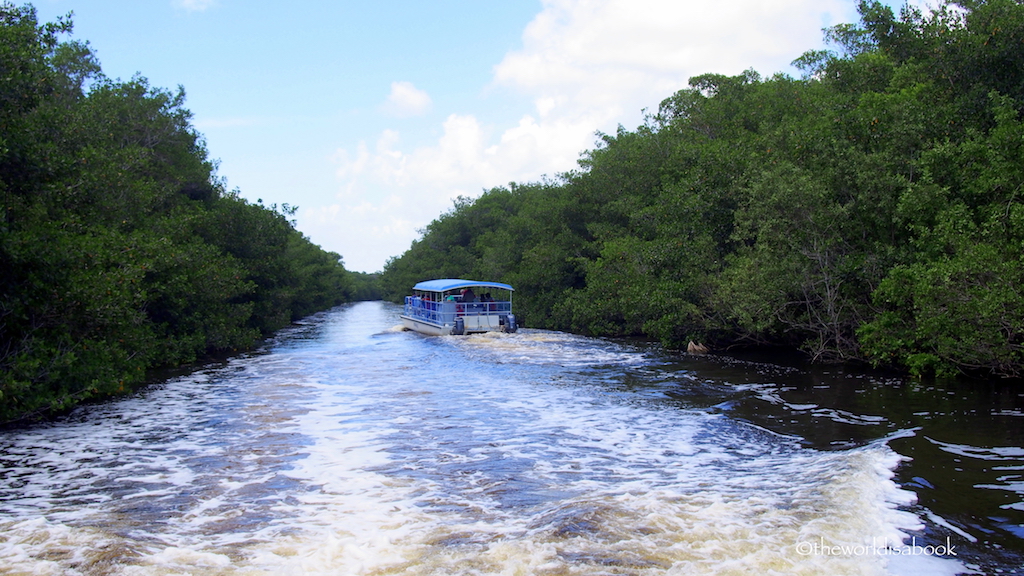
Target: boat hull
(426, 327)
(467, 324)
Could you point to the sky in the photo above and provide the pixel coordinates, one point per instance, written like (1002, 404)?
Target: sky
(373, 116)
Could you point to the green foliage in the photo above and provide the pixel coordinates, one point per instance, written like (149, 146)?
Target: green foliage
(957, 303)
(870, 210)
(365, 286)
(119, 247)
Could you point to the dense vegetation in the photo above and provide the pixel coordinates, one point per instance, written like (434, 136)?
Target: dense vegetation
(120, 249)
(869, 210)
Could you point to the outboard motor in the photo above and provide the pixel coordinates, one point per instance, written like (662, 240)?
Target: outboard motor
(508, 323)
(460, 327)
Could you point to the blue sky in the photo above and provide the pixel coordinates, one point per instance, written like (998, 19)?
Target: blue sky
(373, 116)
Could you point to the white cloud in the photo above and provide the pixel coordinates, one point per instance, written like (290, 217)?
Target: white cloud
(373, 230)
(350, 166)
(193, 5)
(406, 100)
(613, 57)
(586, 65)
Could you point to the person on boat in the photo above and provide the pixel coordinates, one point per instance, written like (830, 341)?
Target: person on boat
(468, 296)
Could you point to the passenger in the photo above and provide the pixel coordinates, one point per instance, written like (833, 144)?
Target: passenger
(468, 296)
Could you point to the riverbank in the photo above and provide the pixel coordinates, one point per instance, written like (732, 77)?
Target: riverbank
(121, 247)
(867, 210)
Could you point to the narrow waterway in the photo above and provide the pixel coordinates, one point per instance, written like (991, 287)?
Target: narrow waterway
(348, 446)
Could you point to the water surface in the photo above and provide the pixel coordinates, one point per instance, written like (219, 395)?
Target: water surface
(348, 446)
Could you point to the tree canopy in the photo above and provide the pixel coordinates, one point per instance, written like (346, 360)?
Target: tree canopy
(120, 247)
(871, 209)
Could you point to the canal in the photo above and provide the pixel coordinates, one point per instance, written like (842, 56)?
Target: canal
(348, 446)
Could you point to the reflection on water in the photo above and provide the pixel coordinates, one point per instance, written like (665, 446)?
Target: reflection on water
(351, 447)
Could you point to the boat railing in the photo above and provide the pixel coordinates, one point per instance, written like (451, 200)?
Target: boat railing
(446, 312)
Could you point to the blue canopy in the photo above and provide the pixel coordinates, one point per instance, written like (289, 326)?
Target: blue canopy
(446, 284)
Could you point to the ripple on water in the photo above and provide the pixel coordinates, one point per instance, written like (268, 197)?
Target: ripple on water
(348, 449)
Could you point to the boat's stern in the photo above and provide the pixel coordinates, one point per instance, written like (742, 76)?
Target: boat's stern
(426, 327)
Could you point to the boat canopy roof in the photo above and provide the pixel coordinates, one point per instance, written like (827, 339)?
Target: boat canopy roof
(446, 284)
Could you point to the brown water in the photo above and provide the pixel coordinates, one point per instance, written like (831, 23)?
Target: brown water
(348, 446)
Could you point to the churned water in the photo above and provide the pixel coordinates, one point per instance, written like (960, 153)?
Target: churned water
(349, 446)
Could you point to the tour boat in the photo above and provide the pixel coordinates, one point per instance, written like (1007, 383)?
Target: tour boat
(457, 306)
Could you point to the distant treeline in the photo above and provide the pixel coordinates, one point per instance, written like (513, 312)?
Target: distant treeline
(870, 210)
(120, 250)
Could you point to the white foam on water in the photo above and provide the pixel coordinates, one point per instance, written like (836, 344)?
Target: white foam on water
(770, 392)
(1012, 455)
(997, 453)
(545, 347)
(368, 453)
